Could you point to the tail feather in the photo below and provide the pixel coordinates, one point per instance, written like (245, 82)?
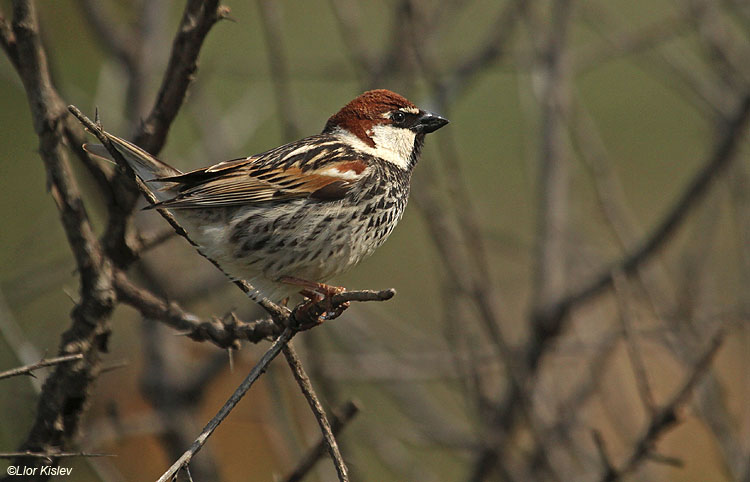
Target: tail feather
(146, 166)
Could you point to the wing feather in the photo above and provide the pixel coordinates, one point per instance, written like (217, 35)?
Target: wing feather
(299, 170)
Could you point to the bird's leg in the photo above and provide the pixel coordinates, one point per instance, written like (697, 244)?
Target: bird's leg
(311, 286)
(317, 292)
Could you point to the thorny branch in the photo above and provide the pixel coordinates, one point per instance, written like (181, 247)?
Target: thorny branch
(46, 362)
(65, 393)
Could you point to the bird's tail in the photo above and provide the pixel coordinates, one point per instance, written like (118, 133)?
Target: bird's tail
(146, 166)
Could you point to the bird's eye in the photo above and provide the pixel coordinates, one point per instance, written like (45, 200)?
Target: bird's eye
(398, 116)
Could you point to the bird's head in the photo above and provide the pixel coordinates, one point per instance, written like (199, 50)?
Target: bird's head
(386, 125)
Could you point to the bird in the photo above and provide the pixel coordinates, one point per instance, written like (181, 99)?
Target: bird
(289, 219)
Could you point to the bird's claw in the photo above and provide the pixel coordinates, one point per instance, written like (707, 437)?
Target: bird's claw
(318, 308)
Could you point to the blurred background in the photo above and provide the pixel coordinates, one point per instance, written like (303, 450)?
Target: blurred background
(573, 269)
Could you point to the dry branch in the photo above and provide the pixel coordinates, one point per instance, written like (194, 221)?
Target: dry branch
(254, 374)
(665, 417)
(225, 333)
(45, 362)
(320, 415)
(65, 393)
(550, 318)
(340, 419)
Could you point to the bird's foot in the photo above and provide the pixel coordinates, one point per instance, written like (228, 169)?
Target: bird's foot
(319, 306)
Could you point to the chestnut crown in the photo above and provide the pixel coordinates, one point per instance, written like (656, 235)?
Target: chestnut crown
(382, 107)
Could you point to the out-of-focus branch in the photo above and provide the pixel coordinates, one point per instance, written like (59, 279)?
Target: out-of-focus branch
(730, 133)
(320, 415)
(254, 374)
(629, 41)
(489, 51)
(549, 273)
(339, 420)
(623, 298)
(665, 417)
(197, 20)
(113, 33)
(45, 362)
(270, 16)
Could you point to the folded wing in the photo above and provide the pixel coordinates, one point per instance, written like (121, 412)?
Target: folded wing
(254, 180)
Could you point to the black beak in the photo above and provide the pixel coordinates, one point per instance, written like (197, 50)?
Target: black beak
(430, 122)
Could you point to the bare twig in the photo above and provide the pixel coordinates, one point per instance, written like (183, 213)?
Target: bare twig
(224, 333)
(254, 374)
(46, 362)
(664, 418)
(339, 420)
(320, 415)
(65, 393)
(622, 295)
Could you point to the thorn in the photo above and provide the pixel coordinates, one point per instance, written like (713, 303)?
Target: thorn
(97, 120)
(231, 360)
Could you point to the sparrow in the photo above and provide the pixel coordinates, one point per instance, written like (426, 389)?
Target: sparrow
(291, 218)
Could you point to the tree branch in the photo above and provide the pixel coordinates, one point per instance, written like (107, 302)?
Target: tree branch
(224, 333)
(45, 362)
(65, 393)
(254, 374)
(339, 420)
(664, 418)
(320, 415)
(551, 317)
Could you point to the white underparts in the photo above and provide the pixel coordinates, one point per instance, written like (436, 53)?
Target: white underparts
(392, 144)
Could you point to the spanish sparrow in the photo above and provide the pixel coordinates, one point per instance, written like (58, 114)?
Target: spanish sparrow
(299, 214)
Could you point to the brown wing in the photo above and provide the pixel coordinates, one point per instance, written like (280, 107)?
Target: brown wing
(246, 181)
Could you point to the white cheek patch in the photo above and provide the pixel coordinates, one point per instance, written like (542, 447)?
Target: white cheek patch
(393, 144)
